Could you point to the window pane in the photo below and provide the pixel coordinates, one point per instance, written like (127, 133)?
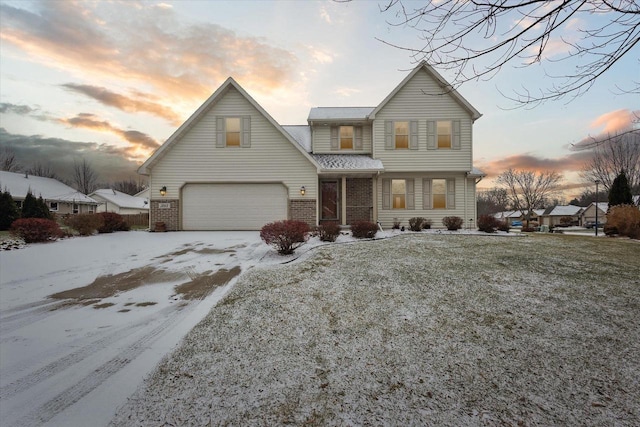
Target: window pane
(402, 128)
(398, 186)
(233, 124)
(346, 137)
(402, 134)
(444, 134)
(399, 201)
(439, 201)
(233, 138)
(439, 188)
(402, 141)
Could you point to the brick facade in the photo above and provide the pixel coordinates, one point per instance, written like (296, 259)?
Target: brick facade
(303, 210)
(170, 216)
(359, 199)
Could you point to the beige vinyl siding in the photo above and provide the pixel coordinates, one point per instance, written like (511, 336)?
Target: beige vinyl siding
(386, 216)
(321, 140)
(413, 102)
(270, 158)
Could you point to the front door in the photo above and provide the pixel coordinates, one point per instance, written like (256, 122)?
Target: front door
(329, 200)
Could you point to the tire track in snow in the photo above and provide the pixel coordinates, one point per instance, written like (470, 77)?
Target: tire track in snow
(28, 316)
(71, 359)
(95, 378)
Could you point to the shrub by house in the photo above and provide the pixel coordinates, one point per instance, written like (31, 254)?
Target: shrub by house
(285, 236)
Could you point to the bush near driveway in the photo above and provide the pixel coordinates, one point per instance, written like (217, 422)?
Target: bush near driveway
(377, 333)
(85, 224)
(285, 235)
(111, 222)
(33, 230)
(328, 232)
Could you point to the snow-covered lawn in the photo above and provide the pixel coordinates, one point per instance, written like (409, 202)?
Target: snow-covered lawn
(415, 330)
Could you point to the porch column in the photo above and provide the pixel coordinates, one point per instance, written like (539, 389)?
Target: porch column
(343, 202)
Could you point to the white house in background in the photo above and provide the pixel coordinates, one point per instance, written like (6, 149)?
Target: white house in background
(553, 216)
(60, 198)
(121, 203)
(144, 194)
(231, 166)
(589, 213)
(511, 216)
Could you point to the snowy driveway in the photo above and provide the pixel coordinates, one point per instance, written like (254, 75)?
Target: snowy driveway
(121, 302)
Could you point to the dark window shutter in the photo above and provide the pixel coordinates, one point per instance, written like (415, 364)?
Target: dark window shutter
(413, 135)
(388, 135)
(357, 130)
(431, 135)
(386, 194)
(426, 193)
(221, 135)
(335, 132)
(411, 196)
(455, 137)
(246, 132)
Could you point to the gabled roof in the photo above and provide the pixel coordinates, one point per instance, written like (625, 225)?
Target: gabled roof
(301, 134)
(202, 110)
(447, 89)
(19, 184)
(348, 162)
(339, 113)
(476, 173)
(120, 199)
(568, 210)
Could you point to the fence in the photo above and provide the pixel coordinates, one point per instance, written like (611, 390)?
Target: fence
(141, 219)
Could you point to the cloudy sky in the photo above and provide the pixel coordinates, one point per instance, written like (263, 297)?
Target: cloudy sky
(111, 80)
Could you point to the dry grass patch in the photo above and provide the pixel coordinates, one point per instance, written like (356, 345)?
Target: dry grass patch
(414, 330)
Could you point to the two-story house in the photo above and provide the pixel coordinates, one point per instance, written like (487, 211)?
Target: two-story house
(231, 166)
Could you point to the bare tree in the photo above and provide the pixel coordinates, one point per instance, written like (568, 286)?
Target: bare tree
(492, 201)
(40, 169)
(85, 177)
(528, 190)
(8, 161)
(130, 187)
(612, 156)
(478, 38)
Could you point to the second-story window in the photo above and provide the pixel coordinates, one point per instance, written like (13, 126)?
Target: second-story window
(401, 132)
(444, 134)
(232, 126)
(346, 137)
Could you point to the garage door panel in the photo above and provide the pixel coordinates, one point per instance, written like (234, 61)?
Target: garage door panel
(232, 206)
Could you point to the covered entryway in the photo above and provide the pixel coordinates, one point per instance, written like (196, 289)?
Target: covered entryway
(232, 206)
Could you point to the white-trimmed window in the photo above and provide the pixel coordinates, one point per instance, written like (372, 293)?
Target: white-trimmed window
(439, 193)
(233, 132)
(346, 137)
(76, 208)
(401, 135)
(398, 194)
(232, 129)
(53, 206)
(444, 134)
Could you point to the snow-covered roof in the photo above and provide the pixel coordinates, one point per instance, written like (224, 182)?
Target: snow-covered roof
(508, 214)
(340, 113)
(348, 162)
(475, 172)
(50, 189)
(568, 210)
(120, 199)
(302, 135)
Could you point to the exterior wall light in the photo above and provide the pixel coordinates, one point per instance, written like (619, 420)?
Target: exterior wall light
(302, 190)
(163, 191)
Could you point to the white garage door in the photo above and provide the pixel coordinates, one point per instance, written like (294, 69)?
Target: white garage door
(232, 206)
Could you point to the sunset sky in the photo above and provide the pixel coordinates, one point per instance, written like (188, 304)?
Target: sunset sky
(111, 80)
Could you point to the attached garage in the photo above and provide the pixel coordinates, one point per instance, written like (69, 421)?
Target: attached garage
(232, 206)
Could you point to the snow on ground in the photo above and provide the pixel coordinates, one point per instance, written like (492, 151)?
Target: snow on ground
(419, 329)
(73, 360)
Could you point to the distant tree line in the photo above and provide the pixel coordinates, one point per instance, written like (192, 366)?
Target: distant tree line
(84, 176)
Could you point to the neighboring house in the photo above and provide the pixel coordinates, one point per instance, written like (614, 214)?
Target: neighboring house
(553, 216)
(144, 194)
(59, 197)
(121, 203)
(231, 166)
(588, 214)
(511, 216)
